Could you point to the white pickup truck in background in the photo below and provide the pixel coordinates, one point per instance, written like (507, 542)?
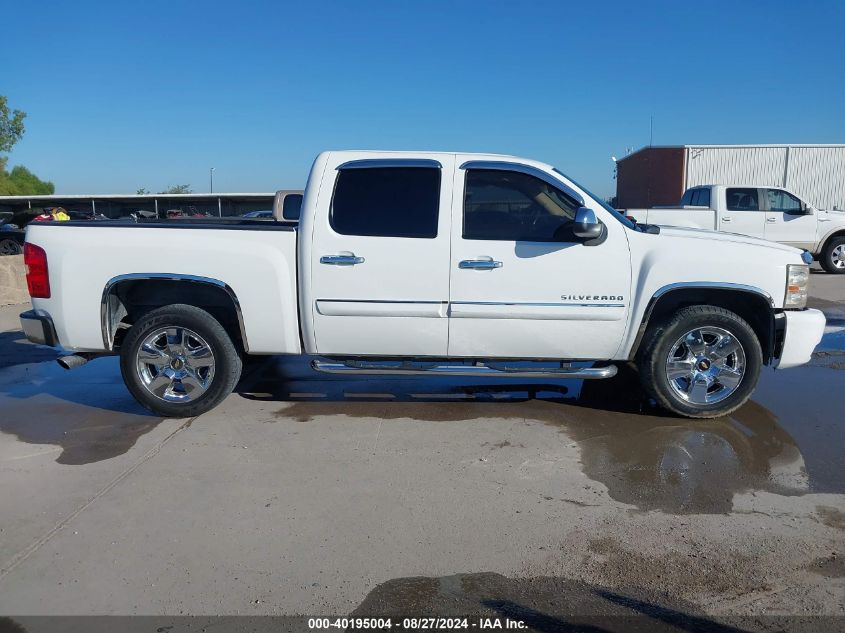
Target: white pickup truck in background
(772, 213)
(424, 263)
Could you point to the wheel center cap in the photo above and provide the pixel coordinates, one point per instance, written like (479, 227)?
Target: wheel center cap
(703, 364)
(177, 363)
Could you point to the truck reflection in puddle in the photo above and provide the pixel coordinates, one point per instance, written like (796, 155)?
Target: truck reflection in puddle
(645, 458)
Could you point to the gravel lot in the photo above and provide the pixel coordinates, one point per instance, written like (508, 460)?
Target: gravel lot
(304, 494)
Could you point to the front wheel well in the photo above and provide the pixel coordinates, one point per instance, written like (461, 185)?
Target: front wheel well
(125, 301)
(755, 308)
(826, 243)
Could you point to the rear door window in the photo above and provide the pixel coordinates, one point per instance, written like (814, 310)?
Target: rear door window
(742, 199)
(386, 202)
(701, 198)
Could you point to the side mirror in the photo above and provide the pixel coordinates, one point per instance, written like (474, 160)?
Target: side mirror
(587, 226)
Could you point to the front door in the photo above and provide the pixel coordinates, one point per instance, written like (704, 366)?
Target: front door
(380, 258)
(742, 212)
(787, 222)
(522, 286)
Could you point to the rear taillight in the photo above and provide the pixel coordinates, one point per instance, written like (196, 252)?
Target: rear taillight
(37, 274)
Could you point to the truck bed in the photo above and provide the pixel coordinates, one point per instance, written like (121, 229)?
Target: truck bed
(256, 259)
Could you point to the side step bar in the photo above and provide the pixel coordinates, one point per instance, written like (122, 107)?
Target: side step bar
(479, 369)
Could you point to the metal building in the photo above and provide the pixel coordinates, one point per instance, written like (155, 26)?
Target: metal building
(659, 175)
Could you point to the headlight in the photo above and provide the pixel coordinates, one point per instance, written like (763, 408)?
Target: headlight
(797, 281)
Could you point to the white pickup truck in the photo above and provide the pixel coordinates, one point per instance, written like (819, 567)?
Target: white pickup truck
(772, 213)
(424, 263)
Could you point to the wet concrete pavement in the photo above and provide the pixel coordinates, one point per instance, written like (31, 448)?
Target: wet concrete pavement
(306, 494)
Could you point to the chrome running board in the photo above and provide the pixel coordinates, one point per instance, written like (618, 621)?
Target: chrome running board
(478, 369)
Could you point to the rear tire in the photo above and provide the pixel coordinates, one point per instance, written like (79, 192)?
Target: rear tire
(178, 361)
(833, 256)
(10, 247)
(704, 362)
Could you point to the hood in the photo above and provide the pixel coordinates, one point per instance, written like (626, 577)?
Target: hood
(703, 234)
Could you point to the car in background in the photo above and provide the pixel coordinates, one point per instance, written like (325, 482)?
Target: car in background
(266, 214)
(11, 239)
(772, 213)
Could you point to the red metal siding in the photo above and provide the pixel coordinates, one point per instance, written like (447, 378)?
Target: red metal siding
(650, 177)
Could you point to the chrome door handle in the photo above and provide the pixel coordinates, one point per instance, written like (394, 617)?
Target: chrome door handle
(771, 220)
(480, 264)
(342, 259)
(726, 218)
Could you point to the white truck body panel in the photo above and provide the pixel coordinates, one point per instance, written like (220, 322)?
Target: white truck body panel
(394, 303)
(259, 267)
(537, 305)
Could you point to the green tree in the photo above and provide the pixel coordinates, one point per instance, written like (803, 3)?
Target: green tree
(178, 189)
(143, 191)
(11, 125)
(20, 182)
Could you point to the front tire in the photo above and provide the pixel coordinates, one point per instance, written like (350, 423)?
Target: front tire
(833, 256)
(178, 361)
(704, 362)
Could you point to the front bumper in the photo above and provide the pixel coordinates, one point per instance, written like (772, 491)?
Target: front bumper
(38, 327)
(804, 330)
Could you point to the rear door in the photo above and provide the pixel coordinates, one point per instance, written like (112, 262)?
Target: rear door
(522, 286)
(380, 257)
(786, 220)
(743, 212)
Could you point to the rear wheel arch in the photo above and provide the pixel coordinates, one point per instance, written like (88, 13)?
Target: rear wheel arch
(127, 298)
(753, 305)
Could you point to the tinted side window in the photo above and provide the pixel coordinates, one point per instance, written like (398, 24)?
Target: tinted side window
(703, 199)
(687, 199)
(782, 201)
(386, 202)
(742, 200)
(508, 205)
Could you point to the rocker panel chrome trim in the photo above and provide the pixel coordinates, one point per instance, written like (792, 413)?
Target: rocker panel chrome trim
(463, 370)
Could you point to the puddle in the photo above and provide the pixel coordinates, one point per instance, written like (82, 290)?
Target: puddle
(786, 440)
(88, 413)
(541, 603)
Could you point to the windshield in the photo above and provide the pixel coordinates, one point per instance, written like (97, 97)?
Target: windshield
(611, 210)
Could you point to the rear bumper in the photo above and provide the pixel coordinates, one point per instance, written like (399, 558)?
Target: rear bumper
(38, 327)
(803, 331)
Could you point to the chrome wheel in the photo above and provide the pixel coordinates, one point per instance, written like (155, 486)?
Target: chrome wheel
(175, 364)
(837, 256)
(705, 365)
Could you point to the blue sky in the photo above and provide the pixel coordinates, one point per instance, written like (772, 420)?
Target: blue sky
(124, 95)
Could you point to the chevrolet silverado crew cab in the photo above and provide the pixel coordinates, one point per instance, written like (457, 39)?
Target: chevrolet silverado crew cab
(424, 263)
(772, 213)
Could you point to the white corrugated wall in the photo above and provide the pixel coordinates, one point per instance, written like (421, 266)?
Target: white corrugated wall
(815, 173)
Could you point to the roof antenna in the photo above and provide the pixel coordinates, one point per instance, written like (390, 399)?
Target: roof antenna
(651, 131)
